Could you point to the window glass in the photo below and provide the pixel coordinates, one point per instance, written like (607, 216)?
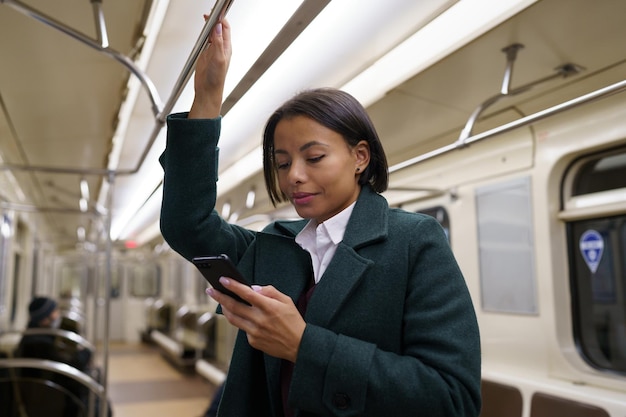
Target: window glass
(598, 280)
(601, 174)
(441, 215)
(597, 258)
(5, 235)
(116, 279)
(506, 247)
(145, 280)
(72, 280)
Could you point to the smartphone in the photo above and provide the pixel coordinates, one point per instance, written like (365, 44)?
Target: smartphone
(213, 268)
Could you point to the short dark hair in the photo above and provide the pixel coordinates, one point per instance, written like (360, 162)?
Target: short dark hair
(338, 111)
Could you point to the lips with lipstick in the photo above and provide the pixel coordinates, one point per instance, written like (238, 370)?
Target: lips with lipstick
(302, 198)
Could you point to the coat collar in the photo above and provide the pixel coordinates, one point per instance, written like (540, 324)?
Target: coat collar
(367, 225)
(368, 222)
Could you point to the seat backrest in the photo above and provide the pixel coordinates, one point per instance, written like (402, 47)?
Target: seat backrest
(56, 345)
(23, 396)
(34, 388)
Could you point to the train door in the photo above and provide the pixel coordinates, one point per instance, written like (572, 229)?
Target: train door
(117, 311)
(143, 282)
(595, 207)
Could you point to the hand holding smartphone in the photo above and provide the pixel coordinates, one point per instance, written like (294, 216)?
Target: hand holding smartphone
(213, 268)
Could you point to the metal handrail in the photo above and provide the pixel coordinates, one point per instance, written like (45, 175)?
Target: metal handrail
(159, 109)
(586, 98)
(563, 71)
(101, 46)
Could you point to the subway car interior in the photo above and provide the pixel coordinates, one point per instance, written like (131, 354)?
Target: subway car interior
(505, 120)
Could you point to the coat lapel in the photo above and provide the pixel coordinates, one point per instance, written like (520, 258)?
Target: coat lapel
(367, 225)
(288, 267)
(343, 274)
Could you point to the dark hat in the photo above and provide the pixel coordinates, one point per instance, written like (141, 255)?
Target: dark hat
(40, 308)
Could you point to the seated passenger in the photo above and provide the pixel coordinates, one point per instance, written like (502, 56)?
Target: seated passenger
(44, 313)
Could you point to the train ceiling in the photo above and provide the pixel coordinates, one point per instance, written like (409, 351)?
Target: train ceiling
(68, 107)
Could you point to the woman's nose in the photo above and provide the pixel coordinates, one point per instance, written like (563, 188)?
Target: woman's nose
(297, 173)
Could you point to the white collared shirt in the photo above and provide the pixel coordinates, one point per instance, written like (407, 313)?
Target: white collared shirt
(322, 241)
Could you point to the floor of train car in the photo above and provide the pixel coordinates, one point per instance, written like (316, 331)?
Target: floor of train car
(142, 383)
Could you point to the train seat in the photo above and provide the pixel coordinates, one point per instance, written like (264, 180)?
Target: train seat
(34, 397)
(192, 336)
(544, 405)
(500, 400)
(38, 388)
(158, 317)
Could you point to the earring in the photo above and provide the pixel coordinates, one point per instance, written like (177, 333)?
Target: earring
(358, 169)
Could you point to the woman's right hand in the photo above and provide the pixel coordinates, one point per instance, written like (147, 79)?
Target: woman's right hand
(211, 69)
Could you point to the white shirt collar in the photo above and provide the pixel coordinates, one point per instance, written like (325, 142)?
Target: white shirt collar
(321, 240)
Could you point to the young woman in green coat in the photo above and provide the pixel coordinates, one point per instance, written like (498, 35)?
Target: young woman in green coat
(356, 310)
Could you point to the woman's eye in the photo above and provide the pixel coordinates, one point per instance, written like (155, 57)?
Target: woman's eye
(282, 165)
(316, 158)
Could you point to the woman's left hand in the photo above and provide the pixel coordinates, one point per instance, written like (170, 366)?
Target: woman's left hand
(272, 321)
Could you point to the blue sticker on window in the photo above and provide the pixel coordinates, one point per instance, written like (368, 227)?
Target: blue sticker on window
(591, 247)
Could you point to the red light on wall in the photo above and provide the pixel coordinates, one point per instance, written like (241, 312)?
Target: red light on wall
(130, 244)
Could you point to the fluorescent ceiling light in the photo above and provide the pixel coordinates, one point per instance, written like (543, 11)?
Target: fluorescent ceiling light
(457, 26)
(261, 20)
(454, 28)
(84, 189)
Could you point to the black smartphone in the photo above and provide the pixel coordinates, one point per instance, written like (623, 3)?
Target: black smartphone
(213, 268)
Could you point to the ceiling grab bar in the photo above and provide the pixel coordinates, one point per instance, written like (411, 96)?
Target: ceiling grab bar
(101, 27)
(102, 47)
(160, 111)
(607, 91)
(511, 54)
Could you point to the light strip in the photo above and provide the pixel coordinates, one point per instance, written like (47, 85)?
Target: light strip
(457, 26)
(263, 19)
(453, 29)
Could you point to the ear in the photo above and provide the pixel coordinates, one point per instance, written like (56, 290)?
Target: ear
(361, 152)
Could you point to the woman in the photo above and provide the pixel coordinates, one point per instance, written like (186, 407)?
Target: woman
(356, 310)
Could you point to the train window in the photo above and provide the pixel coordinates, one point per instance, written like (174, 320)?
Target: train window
(597, 255)
(601, 174)
(73, 280)
(117, 274)
(598, 279)
(506, 247)
(145, 280)
(5, 235)
(441, 215)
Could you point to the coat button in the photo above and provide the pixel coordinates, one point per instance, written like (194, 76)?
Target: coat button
(341, 401)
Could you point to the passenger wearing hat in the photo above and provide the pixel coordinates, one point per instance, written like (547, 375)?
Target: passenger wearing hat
(43, 312)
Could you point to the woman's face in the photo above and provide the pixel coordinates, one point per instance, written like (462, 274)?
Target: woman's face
(317, 170)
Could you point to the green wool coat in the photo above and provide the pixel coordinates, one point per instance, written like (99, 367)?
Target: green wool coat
(391, 329)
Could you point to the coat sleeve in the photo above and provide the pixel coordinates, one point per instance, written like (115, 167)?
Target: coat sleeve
(189, 221)
(435, 368)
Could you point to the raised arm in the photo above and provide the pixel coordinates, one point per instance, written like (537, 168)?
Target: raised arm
(210, 74)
